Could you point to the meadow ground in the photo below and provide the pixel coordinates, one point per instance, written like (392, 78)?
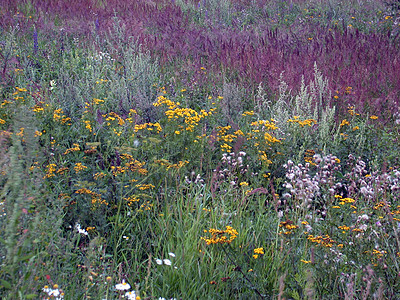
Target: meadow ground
(181, 149)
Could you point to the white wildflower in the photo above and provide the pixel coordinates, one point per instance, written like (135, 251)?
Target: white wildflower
(123, 286)
(80, 230)
(167, 262)
(130, 295)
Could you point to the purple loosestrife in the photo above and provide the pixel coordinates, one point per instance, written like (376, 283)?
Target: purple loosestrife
(368, 62)
(35, 42)
(97, 25)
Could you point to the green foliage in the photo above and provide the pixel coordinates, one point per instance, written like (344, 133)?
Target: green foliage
(109, 175)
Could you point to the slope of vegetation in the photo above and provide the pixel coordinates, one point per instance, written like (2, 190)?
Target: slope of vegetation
(207, 149)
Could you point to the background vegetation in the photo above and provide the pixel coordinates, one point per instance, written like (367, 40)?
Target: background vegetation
(199, 150)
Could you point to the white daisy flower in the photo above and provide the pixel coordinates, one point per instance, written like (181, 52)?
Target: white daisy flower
(130, 295)
(123, 286)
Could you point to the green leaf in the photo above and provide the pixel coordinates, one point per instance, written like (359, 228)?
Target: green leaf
(27, 275)
(31, 296)
(154, 140)
(26, 257)
(94, 144)
(5, 284)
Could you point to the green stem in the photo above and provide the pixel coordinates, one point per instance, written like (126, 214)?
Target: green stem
(238, 268)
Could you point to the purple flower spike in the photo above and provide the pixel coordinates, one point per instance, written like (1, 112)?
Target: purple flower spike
(35, 41)
(97, 24)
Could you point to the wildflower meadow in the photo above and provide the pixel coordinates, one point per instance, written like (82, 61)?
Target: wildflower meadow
(199, 149)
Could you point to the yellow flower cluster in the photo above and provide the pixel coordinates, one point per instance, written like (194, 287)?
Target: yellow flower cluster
(190, 117)
(131, 200)
(99, 175)
(169, 165)
(21, 132)
(163, 100)
(351, 111)
(344, 228)
(130, 164)
(62, 170)
(87, 125)
(97, 101)
(325, 241)
(126, 156)
(116, 170)
(378, 253)
(263, 126)
(95, 197)
(136, 166)
(79, 167)
(58, 116)
(19, 90)
(343, 201)
(309, 157)
(143, 187)
(220, 236)
(34, 166)
(112, 116)
(344, 122)
(5, 102)
(296, 119)
(86, 191)
(149, 126)
(305, 261)
(248, 113)
(73, 149)
(146, 206)
(50, 169)
(264, 158)
(101, 81)
(258, 251)
(224, 136)
(381, 204)
(288, 227)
